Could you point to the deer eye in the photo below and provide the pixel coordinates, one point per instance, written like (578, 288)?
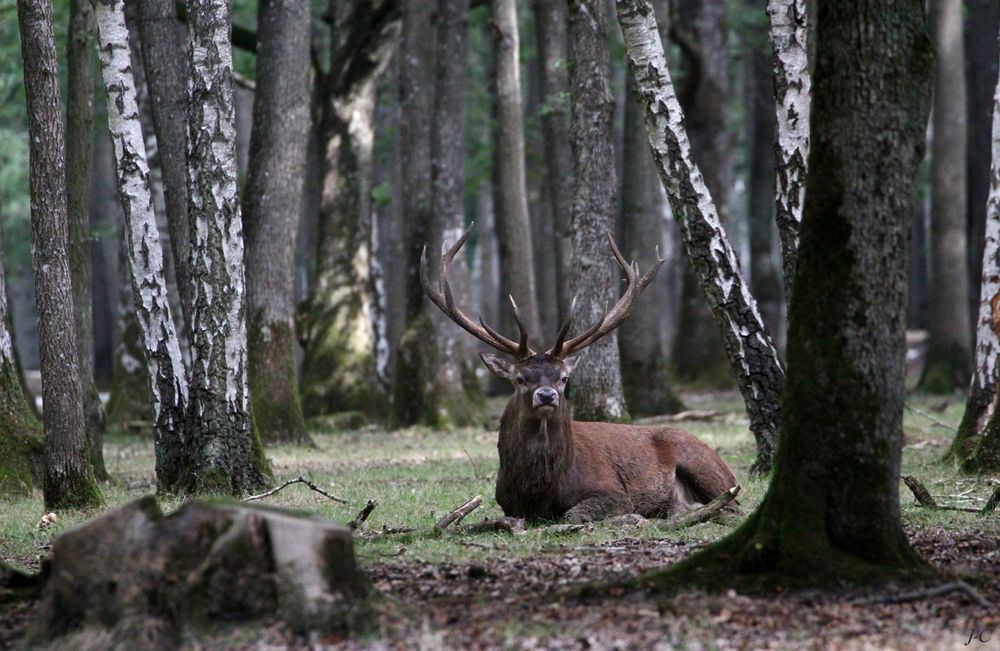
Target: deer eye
(564, 379)
(519, 379)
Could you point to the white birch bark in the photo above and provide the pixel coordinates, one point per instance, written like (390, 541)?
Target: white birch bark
(748, 343)
(793, 98)
(161, 346)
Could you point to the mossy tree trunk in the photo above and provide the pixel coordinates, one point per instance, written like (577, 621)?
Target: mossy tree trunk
(20, 431)
(948, 362)
(748, 344)
(597, 392)
(68, 475)
(831, 513)
(222, 450)
(339, 371)
(79, 145)
(273, 202)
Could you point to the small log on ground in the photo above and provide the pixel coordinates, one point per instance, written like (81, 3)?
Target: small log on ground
(702, 513)
(139, 579)
(457, 514)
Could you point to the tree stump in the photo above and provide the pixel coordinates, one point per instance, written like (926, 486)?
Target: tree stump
(137, 578)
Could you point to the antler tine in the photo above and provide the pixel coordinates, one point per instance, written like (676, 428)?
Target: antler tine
(522, 344)
(621, 309)
(563, 330)
(443, 298)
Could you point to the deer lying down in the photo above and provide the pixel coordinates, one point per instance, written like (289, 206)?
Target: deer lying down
(553, 467)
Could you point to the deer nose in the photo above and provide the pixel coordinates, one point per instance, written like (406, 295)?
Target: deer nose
(546, 396)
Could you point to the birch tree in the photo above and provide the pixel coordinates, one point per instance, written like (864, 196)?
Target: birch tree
(339, 371)
(68, 474)
(222, 451)
(748, 344)
(165, 372)
(273, 203)
(789, 32)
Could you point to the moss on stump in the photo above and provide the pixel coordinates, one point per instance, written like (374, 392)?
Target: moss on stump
(20, 437)
(274, 394)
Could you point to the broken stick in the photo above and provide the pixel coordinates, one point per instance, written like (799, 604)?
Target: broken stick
(297, 480)
(702, 513)
(457, 514)
(926, 500)
(362, 515)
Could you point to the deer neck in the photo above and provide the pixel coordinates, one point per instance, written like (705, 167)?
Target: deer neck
(536, 452)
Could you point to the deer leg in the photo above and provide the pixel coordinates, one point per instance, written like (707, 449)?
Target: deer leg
(594, 507)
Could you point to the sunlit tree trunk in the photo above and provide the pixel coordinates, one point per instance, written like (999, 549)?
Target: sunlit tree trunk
(68, 475)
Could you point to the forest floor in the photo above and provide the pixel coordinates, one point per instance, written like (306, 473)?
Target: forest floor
(460, 591)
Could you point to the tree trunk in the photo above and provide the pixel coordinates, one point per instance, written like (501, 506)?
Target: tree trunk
(976, 446)
(645, 212)
(160, 346)
(69, 477)
(765, 283)
(553, 53)
(339, 368)
(831, 515)
(748, 344)
(513, 223)
(20, 431)
(789, 34)
(222, 452)
(79, 143)
(982, 23)
(273, 203)
(597, 384)
(162, 43)
(701, 30)
(948, 357)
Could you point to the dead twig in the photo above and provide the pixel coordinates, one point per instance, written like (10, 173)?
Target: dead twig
(472, 462)
(991, 504)
(927, 593)
(938, 423)
(457, 514)
(701, 514)
(362, 515)
(926, 500)
(297, 480)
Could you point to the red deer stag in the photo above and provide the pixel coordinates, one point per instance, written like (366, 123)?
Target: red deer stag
(553, 467)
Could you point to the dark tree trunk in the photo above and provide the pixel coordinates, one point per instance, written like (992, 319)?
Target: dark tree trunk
(949, 359)
(68, 477)
(165, 65)
(513, 223)
(20, 431)
(222, 451)
(339, 371)
(553, 55)
(701, 30)
(273, 200)
(765, 282)
(597, 384)
(79, 143)
(832, 511)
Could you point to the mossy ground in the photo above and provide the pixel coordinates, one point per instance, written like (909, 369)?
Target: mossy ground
(418, 474)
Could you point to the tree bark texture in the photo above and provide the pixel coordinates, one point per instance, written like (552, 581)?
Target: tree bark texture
(702, 31)
(748, 344)
(20, 431)
(949, 360)
(68, 476)
(645, 212)
(273, 199)
(513, 223)
(979, 422)
(831, 513)
(553, 53)
(765, 282)
(79, 145)
(789, 33)
(165, 65)
(597, 384)
(160, 346)
(339, 367)
(222, 452)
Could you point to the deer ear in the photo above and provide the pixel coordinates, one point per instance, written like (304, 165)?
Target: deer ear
(498, 365)
(570, 363)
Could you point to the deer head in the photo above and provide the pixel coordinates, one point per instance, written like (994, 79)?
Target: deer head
(539, 378)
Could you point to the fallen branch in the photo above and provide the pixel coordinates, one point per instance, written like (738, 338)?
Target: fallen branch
(457, 514)
(939, 423)
(297, 480)
(362, 515)
(926, 500)
(702, 513)
(991, 504)
(927, 593)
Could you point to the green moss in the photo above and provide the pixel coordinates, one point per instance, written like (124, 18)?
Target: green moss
(76, 490)
(274, 394)
(20, 437)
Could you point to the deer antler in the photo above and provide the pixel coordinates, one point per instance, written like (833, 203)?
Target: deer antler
(443, 298)
(612, 319)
